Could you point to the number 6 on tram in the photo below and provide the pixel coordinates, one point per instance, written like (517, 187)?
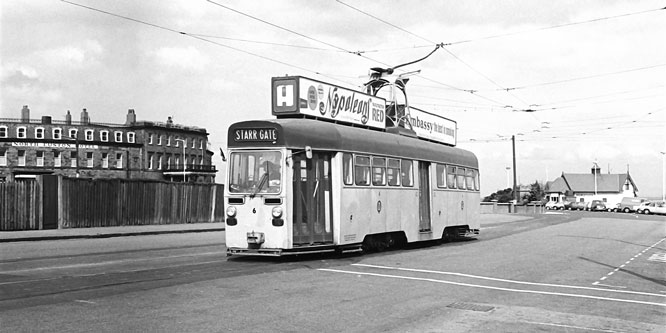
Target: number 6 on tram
(299, 186)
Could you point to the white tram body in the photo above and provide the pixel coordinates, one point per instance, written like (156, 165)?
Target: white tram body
(299, 185)
(357, 183)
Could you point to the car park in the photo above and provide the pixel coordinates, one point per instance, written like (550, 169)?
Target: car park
(655, 207)
(554, 205)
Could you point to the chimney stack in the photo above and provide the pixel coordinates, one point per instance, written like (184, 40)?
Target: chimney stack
(68, 118)
(85, 119)
(25, 114)
(131, 117)
(596, 170)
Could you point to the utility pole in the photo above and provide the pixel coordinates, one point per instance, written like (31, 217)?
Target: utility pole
(515, 185)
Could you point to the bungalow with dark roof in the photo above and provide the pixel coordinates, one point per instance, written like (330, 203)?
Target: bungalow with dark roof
(610, 188)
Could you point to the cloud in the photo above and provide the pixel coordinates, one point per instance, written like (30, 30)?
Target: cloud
(188, 58)
(73, 55)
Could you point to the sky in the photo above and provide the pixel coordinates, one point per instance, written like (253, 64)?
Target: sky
(575, 82)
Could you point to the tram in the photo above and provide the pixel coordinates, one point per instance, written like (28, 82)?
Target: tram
(327, 175)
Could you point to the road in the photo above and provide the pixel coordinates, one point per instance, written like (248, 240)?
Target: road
(562, 272)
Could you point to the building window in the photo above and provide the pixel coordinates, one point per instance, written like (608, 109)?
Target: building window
(201, 143)
(194, 143)
(130, 137)
(3, 158)
(150, 161)
(21, 157)
(150, 139)
(168, 166)
(159, 162)
(105, 160)
(119, 136)
(57, 133)
(3, 131)
(119, 160)
(89, 135)
(159, 140)
(40, 158)
(74, 133)
(57, 159)
(89, 159)
(168, 141)
(20, 133)
(39, 133)
(74, 159)
(104, 136)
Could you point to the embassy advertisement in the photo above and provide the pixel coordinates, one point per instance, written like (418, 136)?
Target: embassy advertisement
(433, 127)
(299, 95)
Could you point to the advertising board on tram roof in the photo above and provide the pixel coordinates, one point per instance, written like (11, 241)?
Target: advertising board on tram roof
(299, 95)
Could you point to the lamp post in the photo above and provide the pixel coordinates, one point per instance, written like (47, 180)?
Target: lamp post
(663, 175)
(508, 180)
(184, 142)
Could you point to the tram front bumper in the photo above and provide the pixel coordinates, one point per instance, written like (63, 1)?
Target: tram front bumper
(255, 238)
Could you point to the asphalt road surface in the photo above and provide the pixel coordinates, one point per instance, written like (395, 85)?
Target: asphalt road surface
(560, 272)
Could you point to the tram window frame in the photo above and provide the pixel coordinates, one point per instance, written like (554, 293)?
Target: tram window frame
(460, 178)
(393, 172)
(440, 170)
(469, 179)
(407, 173)
(451, 176)
(347, 168)
(362, 170)
(378, 171)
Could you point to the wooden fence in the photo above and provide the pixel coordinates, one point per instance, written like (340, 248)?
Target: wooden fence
(20, 206)
(84, 203)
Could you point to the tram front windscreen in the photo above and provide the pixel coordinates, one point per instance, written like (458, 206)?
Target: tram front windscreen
(255, 172)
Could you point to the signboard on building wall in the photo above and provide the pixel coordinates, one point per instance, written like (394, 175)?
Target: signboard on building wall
(433, 127)
(299, 95)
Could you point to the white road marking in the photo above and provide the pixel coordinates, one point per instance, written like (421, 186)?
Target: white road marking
(658, 257)
(508, 281)
(495, 288)
(632, 259)
(570, 326)
(84, 301)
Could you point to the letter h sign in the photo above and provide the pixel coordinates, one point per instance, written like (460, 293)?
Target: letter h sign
(285, 96)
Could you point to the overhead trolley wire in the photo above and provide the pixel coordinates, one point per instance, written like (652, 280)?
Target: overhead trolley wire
(194, 36)
(442, 45)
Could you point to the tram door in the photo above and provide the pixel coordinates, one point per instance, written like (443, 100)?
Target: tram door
(312, 199)
(424, 197)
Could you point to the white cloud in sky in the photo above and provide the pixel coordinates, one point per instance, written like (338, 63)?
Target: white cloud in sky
(187, 58)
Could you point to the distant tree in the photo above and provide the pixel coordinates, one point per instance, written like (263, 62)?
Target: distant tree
(505, 195)
(536, 192)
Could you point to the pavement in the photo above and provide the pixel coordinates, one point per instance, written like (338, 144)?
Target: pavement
(136, 230)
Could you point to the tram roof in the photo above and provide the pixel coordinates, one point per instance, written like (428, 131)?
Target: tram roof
(320, 135)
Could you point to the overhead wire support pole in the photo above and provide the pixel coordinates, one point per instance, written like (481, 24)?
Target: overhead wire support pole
(515, 190)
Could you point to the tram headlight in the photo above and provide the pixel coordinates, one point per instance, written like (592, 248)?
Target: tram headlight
(231, 211)
(277, 212)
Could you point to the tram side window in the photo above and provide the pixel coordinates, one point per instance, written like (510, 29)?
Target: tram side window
(477, 184)
(378, 171)
(460, 178)
(441, 175)
(362, 170)
(347, 174)
(451, 176)
(407, 172)
(470, 179)
(393, 172)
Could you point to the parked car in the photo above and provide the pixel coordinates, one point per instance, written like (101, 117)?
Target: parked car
(554, 205)
(577, 205)
(596, 206)
(655, 207)
(629, 204)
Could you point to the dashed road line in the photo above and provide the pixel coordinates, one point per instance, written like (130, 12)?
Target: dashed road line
(617, 269)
